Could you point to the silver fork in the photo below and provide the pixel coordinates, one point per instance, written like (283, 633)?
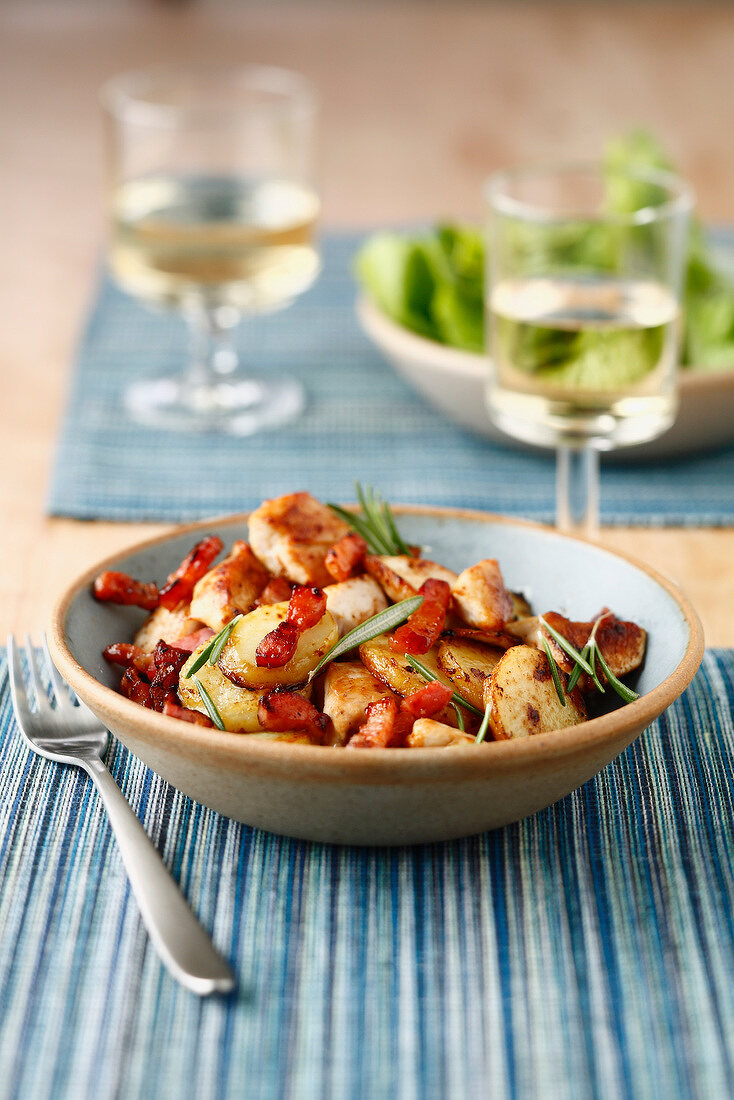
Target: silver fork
(70, 734)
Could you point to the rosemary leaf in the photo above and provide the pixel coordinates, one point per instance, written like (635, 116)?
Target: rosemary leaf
(459, 717)
(426, 673)
(215, 643)
(398, 541)
(482, 731)
(208, 704)
(358, 524)
(576, 672)
(554, 673)
(566, 646)
(385, 620)
(624, 692)
(593, 651)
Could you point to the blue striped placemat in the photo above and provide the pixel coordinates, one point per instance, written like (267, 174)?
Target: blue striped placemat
(362, 422)
(587, 951)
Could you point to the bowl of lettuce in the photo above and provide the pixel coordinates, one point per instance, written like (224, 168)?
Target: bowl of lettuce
(422, 306)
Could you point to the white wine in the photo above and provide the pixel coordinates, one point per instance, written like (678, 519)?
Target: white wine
(583, 358)
(214, 241)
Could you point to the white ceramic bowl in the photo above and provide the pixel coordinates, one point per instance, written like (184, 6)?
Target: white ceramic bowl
(453, 381)
(393, 796)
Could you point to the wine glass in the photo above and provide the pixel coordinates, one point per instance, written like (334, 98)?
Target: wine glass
(583, 298)
(212, 210)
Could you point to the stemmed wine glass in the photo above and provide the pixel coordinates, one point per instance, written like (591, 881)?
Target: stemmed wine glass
(212, 209)
(583, 315)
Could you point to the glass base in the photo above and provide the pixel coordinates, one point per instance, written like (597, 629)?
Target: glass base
(233, 406)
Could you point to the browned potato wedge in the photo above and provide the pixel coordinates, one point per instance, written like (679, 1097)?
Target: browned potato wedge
(467, 665)
(480, 596)
(521, 609)
(236, 705)
(237, 659)
(429, 734)
(229, 588)
(166, 625)
(393, 670)
(401, 576)
(522, 697)
(348, 688)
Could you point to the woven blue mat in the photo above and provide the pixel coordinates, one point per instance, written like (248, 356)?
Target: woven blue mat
(362, 422)
(587, 951)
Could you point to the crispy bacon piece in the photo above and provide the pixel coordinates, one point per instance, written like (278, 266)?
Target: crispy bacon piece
(424, 626)
(126, 654)
(112, 587)
(427, 700)
(280, 711)
(277, 647)
(384, 726)
(135, 687)
(277, 590)
(175, 710)
(190, 642)
(168, 662)
(180, 584)
(306, 607)
(346, 557)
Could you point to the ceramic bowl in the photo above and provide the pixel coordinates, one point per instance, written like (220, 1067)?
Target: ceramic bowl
(393, 796)
(453, 382)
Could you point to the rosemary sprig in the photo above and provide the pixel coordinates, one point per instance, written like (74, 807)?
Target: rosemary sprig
(425, 672)
(590, 654)
(555, 673)
(566, 646)
(376, 524)
(385, 620)
(213, 647)
(208, 704)
(482, 731)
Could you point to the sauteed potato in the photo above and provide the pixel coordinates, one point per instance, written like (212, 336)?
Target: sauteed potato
(326, 628)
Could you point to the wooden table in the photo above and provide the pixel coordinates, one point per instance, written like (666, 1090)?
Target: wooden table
(420, 102)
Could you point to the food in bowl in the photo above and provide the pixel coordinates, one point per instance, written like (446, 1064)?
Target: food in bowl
(327, 628)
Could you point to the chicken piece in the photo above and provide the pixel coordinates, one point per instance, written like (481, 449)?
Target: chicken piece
(401, 576)
(348, 688)
(429, 734)
(291, 535)
(352, 602)
(167, 626)
(481, 597)
(229, 588)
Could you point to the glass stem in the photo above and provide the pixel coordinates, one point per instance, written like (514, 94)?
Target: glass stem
(212, 355)
(577, 490)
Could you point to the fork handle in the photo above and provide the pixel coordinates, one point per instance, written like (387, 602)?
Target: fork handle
(181, 942)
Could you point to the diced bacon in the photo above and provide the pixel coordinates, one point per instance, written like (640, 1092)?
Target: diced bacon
(179, 586)
(175, 710)
(277, 590)
(384, 726)
(168, 663)
(346, 557)
(120, 588)
(306, 607)
(487, 637)
(280, 711)
(135, 687)
(424, 626)
(190, 642)
(277, 647)
(427, 700)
